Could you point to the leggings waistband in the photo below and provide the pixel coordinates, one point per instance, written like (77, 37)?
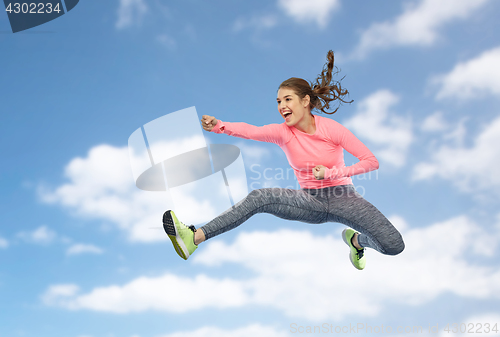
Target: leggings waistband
(328, 190)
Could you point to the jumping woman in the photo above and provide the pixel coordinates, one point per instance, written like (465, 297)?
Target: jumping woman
(314, 148)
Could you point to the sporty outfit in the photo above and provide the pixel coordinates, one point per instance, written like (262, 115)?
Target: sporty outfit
(332, 199)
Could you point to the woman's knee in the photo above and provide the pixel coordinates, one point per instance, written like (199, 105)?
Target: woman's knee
(395, 247)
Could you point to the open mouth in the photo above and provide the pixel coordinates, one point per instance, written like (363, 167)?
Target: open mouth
(287, 114)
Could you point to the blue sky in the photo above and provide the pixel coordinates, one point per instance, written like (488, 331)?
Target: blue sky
(81, 254)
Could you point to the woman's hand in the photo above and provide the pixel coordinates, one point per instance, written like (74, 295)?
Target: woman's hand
(319, 172)
(208, 122)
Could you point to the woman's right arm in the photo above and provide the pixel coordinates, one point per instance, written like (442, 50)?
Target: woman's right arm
(272, 133)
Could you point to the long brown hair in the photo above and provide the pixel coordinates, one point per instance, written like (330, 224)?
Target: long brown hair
(321, 92)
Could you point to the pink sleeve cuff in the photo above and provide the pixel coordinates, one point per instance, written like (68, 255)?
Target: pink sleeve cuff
(218, 127)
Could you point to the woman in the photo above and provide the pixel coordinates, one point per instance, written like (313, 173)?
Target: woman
(314, 148)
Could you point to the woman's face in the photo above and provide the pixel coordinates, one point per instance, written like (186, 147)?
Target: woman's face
(291, 107)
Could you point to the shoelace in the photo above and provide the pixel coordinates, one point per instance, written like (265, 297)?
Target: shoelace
(360, 253)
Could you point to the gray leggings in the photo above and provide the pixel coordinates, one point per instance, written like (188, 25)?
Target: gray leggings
(341, 204)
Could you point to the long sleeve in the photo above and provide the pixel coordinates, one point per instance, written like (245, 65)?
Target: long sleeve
(367, 161)
(272, 133)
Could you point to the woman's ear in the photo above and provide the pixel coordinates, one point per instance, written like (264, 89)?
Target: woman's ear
(306, 100)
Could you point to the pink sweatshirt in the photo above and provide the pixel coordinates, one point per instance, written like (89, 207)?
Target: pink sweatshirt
(305, 151)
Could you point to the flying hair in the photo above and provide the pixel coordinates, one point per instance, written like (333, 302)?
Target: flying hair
(324, 91)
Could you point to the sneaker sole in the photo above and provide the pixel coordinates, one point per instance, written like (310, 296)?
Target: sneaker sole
(344, 238)
(171, 230)
(350, 256)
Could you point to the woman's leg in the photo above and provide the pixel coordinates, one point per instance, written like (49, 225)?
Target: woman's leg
(284, 203)
(348, 207)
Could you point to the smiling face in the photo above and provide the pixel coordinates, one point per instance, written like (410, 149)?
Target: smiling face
(291, 107)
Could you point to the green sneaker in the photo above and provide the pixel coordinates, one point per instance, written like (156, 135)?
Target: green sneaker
(357, 256)
(181, 235)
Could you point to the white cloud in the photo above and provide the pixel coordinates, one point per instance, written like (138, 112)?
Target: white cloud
(81, 248)
(424, 270)
(60, 294)
(390, 133)
(435, 123)
(472, 168)
(301, 11)
(130, 13)
(306, 11)
(418, 25)
(102, 186)
(247, 331)
(471, 79)
(41, 235)
(253, 153)
(3, 243)
(305, 276)
(165, 293)
(458, 133)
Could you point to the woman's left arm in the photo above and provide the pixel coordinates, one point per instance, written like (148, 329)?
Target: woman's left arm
(367, 161)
